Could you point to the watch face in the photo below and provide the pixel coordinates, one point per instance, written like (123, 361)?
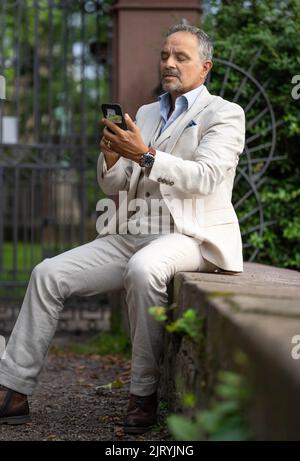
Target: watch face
(148, 160)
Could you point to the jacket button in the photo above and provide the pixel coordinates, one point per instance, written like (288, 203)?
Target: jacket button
(158, 179)
(172, 183)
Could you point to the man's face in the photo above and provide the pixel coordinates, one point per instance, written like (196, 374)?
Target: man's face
(181, 68)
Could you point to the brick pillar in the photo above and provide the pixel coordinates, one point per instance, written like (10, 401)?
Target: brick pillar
(138, 32)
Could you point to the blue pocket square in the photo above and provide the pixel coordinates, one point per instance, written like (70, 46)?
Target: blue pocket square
(191, 123)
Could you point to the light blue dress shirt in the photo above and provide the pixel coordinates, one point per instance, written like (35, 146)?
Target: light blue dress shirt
(182, 103)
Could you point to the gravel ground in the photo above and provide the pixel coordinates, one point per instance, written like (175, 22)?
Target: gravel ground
(66, 405)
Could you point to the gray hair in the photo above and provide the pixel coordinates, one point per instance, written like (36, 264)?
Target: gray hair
(205, 43)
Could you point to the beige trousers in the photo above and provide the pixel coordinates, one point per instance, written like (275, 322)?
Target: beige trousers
(143, 265)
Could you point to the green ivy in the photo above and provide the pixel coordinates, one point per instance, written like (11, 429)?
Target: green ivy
(273, 27)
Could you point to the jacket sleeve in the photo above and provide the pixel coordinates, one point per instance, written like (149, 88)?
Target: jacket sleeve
(218, 151)
(116, 178)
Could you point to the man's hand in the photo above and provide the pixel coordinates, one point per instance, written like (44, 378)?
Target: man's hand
(127, 143)
(111, 157)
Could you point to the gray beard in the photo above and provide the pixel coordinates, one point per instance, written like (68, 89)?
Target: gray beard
(176, 86)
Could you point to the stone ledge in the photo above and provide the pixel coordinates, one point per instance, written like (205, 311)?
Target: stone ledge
(256, 313)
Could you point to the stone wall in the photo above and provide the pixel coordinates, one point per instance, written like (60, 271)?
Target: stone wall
(249, 321)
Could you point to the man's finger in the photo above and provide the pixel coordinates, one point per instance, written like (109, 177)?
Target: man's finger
(112, 126)
(130, 123)
(108, 135)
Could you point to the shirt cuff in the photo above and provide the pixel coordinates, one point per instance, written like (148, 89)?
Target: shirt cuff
(105, 170)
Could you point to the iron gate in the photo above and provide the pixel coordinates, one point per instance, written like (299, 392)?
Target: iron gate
(53, 56)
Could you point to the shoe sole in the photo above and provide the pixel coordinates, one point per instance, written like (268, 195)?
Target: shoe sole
(15, 420)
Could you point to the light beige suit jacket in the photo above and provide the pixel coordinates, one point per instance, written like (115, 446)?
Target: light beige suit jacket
(195, 170)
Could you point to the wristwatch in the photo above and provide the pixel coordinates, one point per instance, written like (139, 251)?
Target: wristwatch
(148, 158)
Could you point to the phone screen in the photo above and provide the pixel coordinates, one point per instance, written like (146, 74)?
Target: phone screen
(114, 113)
(113, 117)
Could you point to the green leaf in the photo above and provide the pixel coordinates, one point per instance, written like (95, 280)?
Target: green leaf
(183, 429)
(158, 312)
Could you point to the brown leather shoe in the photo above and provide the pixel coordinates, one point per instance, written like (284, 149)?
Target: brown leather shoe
(14, 408)
(141, 414)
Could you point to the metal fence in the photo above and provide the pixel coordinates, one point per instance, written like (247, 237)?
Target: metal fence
(53, 55)
(240, 86)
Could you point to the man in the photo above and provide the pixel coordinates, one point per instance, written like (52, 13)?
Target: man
(182, 150)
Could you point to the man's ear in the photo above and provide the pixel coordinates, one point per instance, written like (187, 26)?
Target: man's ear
(208, 65)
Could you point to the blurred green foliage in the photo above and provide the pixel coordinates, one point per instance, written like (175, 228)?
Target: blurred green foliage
(226, 417)
(190, 324)
(239, 30)
(105, 343)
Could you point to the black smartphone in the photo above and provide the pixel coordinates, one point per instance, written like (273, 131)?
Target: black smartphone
(114, 113)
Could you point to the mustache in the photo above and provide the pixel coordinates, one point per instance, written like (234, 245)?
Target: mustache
(167, 73)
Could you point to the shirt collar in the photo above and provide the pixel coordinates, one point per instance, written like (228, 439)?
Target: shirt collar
(185, 101)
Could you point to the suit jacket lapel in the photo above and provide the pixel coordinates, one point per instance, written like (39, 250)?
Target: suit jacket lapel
(151, 125)
(175, 130)
(167, 132)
